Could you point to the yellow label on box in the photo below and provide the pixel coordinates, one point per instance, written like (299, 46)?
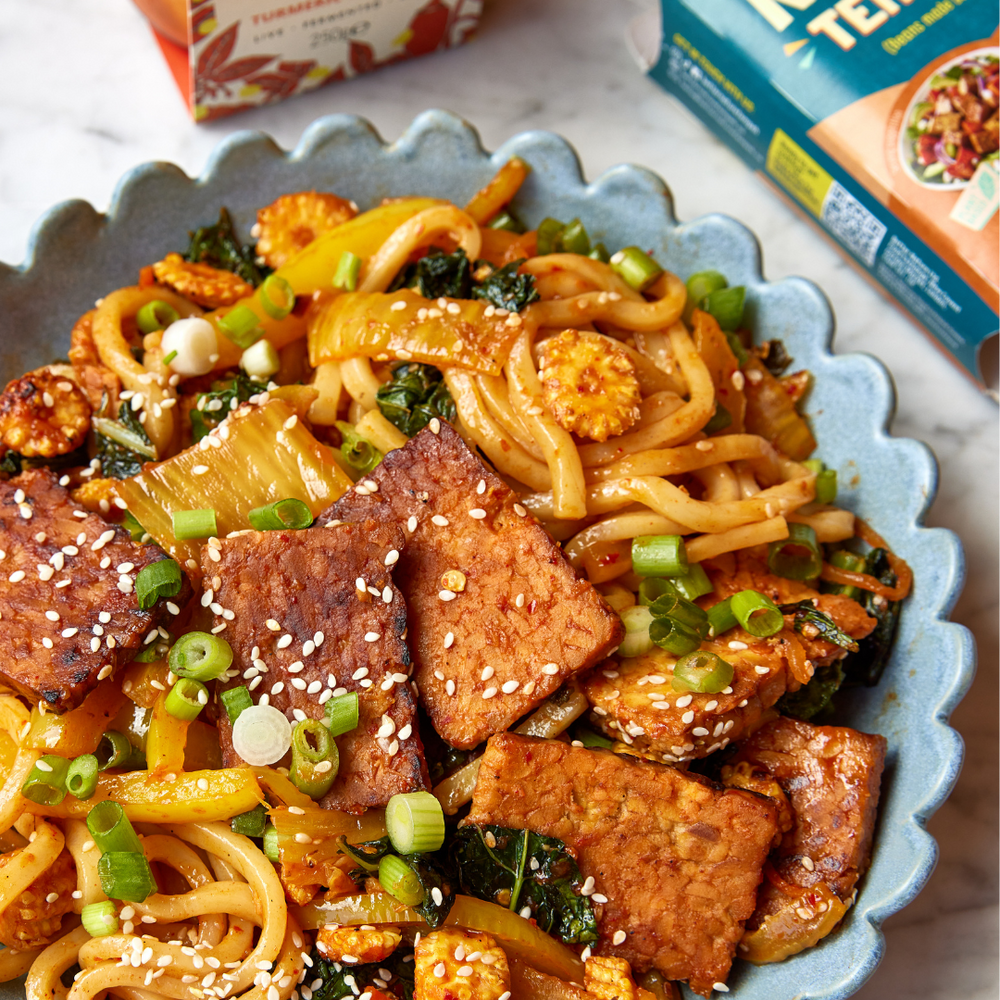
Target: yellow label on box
(792, 167)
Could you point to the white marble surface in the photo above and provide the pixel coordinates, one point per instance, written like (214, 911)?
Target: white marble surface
(84, 96)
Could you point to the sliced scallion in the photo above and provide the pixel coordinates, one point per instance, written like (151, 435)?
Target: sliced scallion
(702, 671)
(360, 455)
(757, 613)
(290, 513)
(719, 420)
(112, 830)
(700, 285)
(315, 758)
(186, 699)
(726, 305)
(46, 782)
(636, 620)
(548, 234)
(797, 557)
(157, 579)
(574, 238)
(826, 480)
(276, 296)
(635, 267)
(348, 268)
(270, 844)
(600, 252)
(654, 587)
(400, 881)
(659, 555)
(721, 618)
(190, 524)
(260, 361)
(100, 919)
(414, 822)
(507, 221)
(251, 823)
(242, 326)
(81, 777)
(669, 634)
(155, 315)
(694, 583)
(235, 701)
(342, 713)
(201, 656)
(126, 875)
(114, 750)
(844, 559)
(170, 357)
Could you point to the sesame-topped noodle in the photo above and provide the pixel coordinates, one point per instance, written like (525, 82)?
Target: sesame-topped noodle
(420, 605)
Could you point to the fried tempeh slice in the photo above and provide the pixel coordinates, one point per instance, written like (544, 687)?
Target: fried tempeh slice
(69, 615)
(675, 860)
(314, 613)
(831, 777)
(498, 618)
(455, 964)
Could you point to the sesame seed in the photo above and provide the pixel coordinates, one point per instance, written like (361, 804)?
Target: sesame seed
(449, 640)
(53, 616)
(105, 671)
(687, 717)
(440, 969)
(359, 584)
(704, 445)
(440, 520)
(273, 625)
(486, 674)
(298, 683)
(721, 987)
(278, 687)
(411, 523)
(200, 470)
(550, 668)
(392, 557)
(450, 687)
(284, 642)
(761, 670)
(489, 693)
(599, 898)
(437, 896)
(478, 513)
(95, 645)
(398, 305)
(807, 863)
(619, 937)
(202, 784)
(405, 732)
(318, 638)
(588, 886)
(18, 575)
(684, 701)
(510, 687)
(445, 595)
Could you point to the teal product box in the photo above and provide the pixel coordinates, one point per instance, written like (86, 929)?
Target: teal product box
(879, 120)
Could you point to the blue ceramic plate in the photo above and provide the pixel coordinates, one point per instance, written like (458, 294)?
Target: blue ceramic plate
(78, 254)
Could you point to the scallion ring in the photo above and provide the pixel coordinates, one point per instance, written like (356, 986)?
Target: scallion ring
(721, 618)
(242, 326)
(114, 750)
(235, 701)
(797, 557)
(276, 296)
(636, 620)
(100, 919)
(81, 777)
(189, 524)
(186, 699)
(659, 555)
(675, 638)
(757, 613)
(252, 823)
(200, 655)
(348, 269)
(262, 735)
(400, 881)
(414, 822)
(112, 830)
(703, 672)
(636, 267)
(342, 713)
(126, 875)
(290, 513)
(155, 315)
(157, 579)
(46, 782)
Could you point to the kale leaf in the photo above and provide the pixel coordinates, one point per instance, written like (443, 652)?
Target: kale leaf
(813, 697)
(118, 460)
(506, 289)
(225, 395)
(866, 665)
(518, 869)
(776, 359)
(345, 982)
(413, 396)
(367, 855)
(806, 614)
(432, 874)
(448, 274)
(11, 463)
(218, 246)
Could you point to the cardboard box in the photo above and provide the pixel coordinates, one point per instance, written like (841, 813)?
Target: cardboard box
(878, 118)
(245, 53)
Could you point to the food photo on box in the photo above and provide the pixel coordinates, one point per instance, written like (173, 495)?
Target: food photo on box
(452, 565)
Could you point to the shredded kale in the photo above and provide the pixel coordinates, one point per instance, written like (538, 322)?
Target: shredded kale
(212, 407)
(11, 463)
(367, 855)
(346, 982)
(432, 874)
(776, 359)
(518, 869)
(413, 396)
(218, 246)
(866, 665)
(506, 289)
(814, 697)
(117, 460)
(806, 613)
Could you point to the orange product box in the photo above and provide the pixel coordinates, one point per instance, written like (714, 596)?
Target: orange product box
(241, 54)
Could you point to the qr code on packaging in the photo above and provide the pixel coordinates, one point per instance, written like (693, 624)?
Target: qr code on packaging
(852, 223)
